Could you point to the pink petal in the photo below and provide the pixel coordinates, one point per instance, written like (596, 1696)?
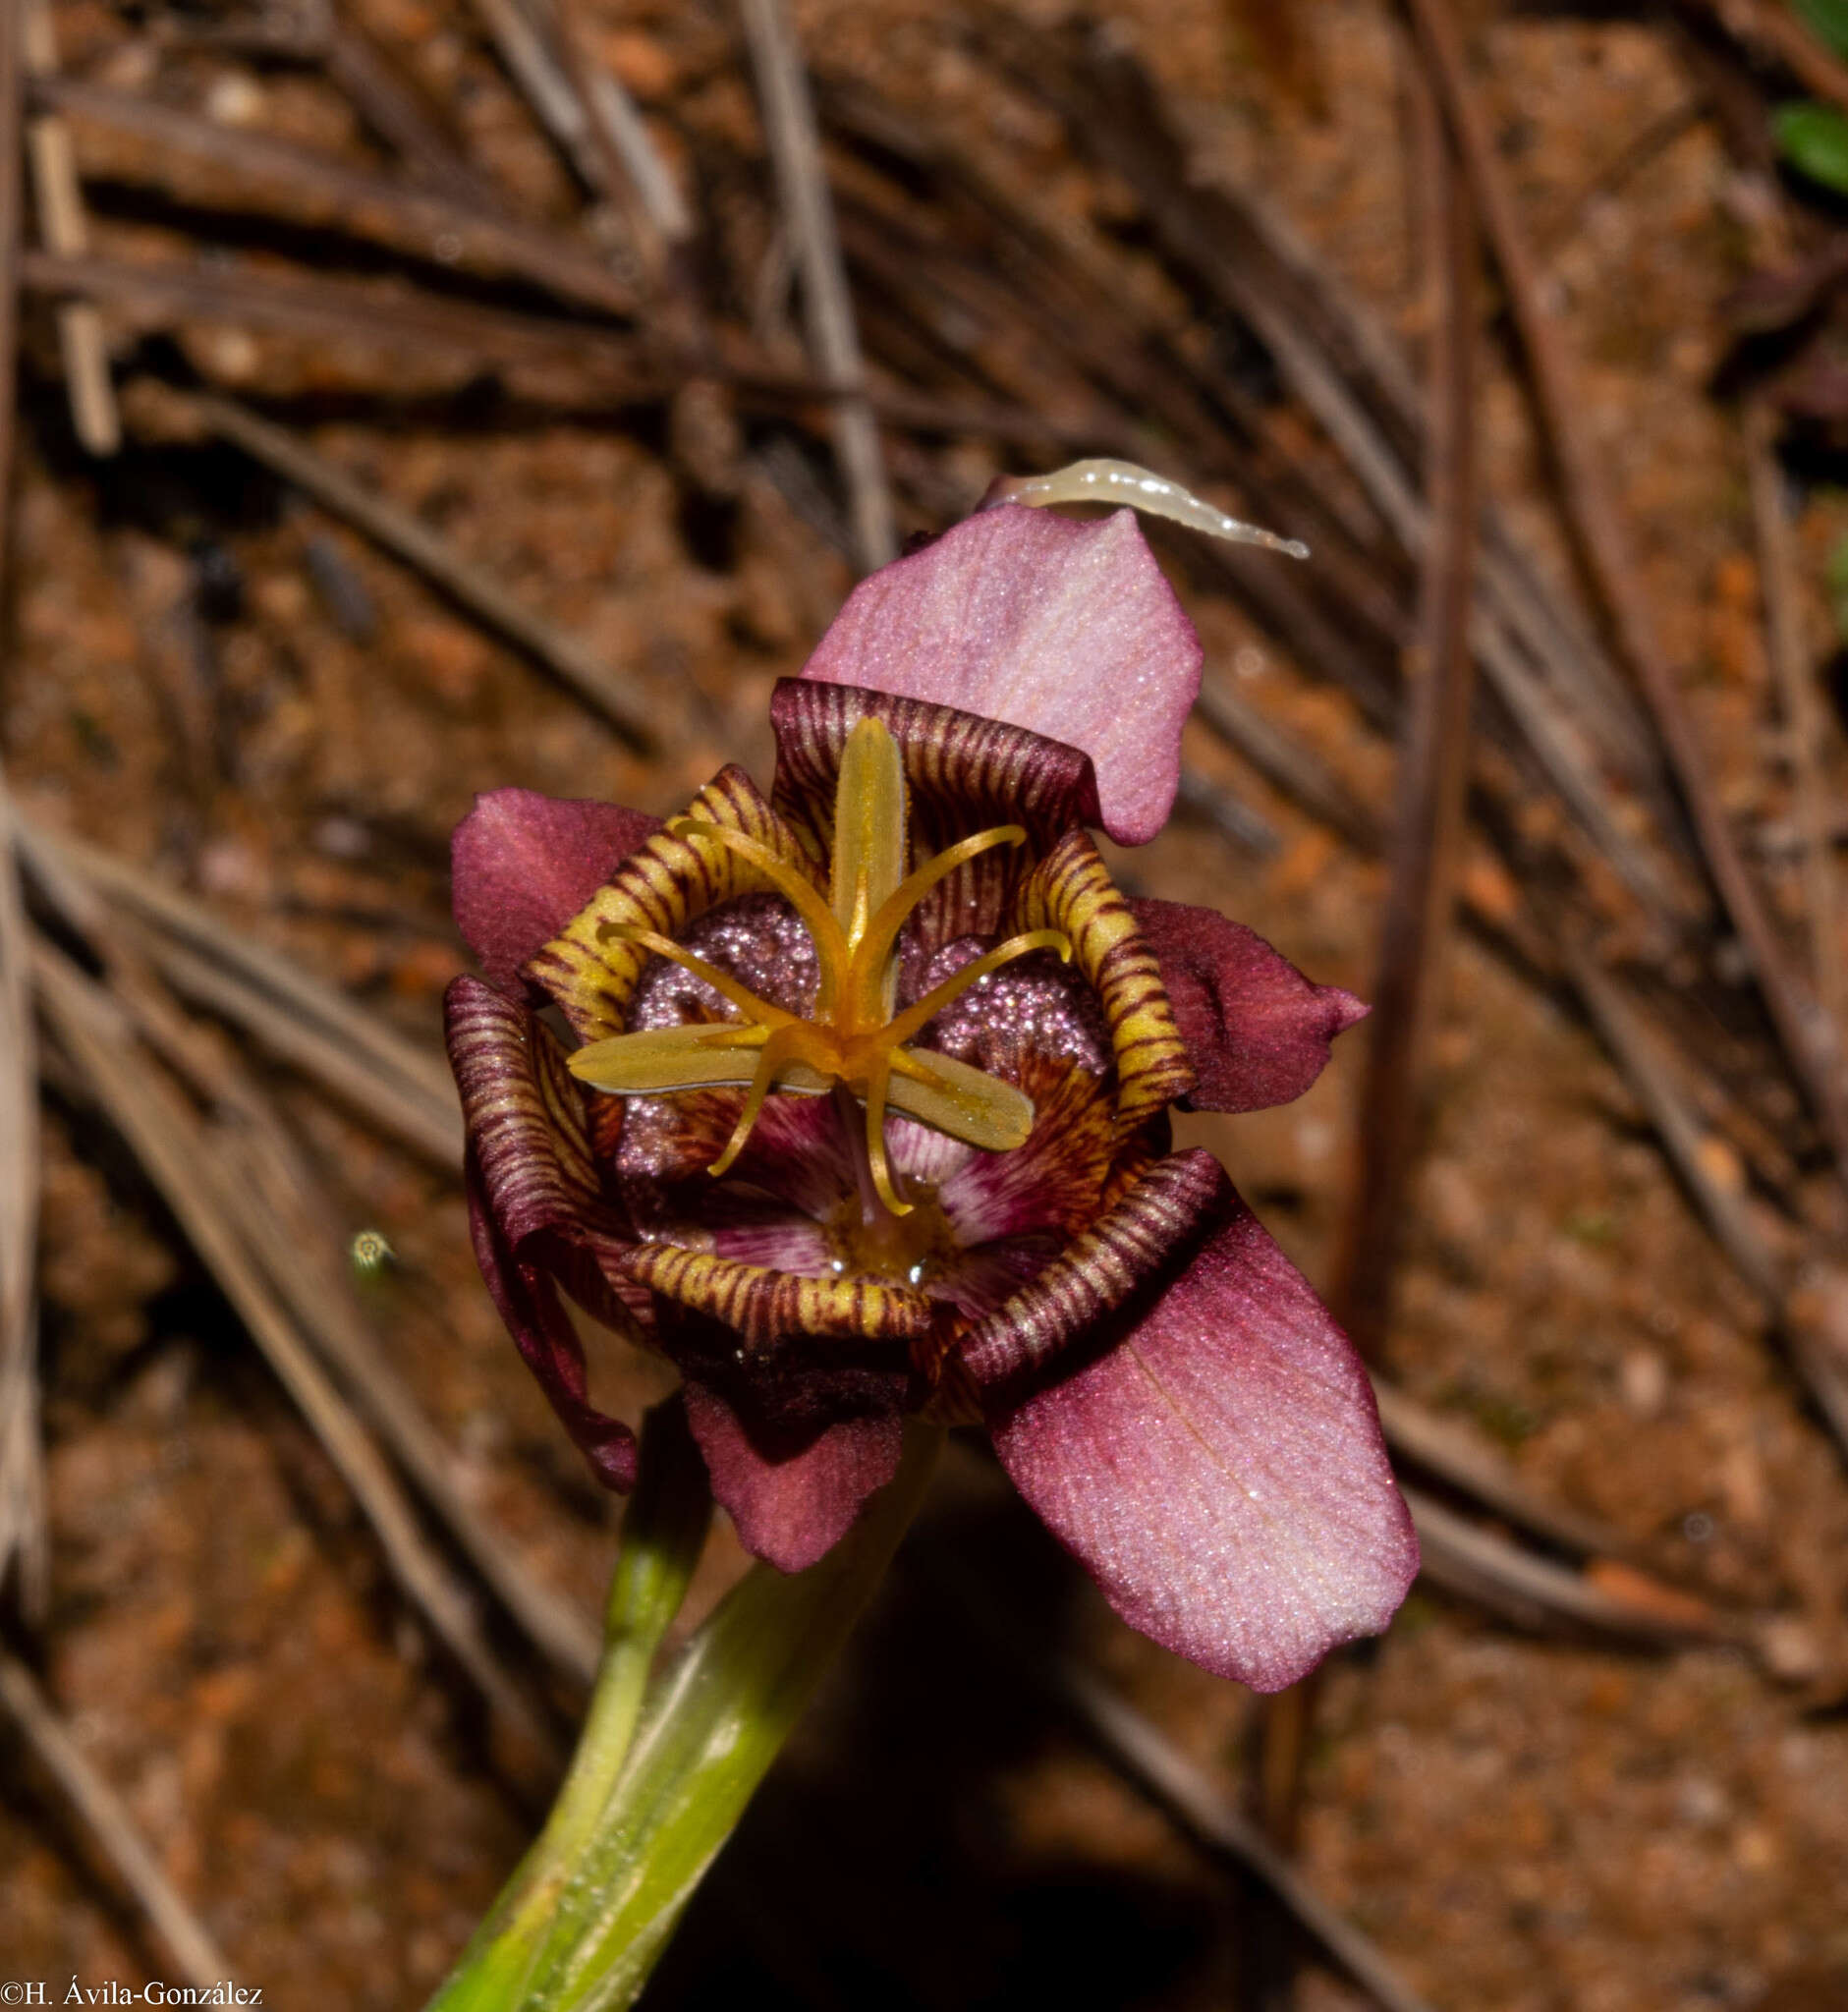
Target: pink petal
(1066, 629)
(527, 1302)
(523, 865)
(787, 1242)
(792, 1503)
(1219, 1471)
(1257, 1029)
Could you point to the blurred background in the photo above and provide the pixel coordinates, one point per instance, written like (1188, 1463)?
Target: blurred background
(417, 398)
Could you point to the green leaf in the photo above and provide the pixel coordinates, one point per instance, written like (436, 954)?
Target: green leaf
(663, 1534)
(647, 1806)
(1827, 21)
(707, 1738)
(1813, 140)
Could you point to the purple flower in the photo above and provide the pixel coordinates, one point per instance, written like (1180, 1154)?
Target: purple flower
(868, 1110)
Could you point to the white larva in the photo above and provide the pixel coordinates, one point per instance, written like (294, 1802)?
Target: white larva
(1122, 482)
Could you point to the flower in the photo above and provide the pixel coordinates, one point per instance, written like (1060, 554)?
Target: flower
(868, 1111)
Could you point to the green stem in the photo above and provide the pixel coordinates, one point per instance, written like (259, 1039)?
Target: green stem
(709, 1733)
(705, 1743)
(663, 1531)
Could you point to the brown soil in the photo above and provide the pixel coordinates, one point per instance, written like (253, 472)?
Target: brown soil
(1523, 1823)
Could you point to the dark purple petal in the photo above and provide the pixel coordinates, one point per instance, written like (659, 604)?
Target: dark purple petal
(523, 865)
(1257, 1029)
(799, 1150)
(526, 1119)
(539, 1221)
(527, 1302)
(793, 1498)
(1066, 629)
(523, 1111)
(1220, 1470)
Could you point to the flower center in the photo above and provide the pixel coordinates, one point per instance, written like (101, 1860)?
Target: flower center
(855, 1037)
(900, 1247)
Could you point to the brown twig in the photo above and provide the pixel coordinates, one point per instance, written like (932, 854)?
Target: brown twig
(394, 110)
(1291, 767)
(1773, 30)
(382, 1098)
(23, 1532)
(547, 67)
(463, 580)
(617, 366)
(220, 1219)
(285, 1226)
(1137, 1748)
(536, 69)
(796, 155)
(1534, 1592)
(259, 1151)
(1630, 159)
(1540, 666)
(1422, 1439)
(1604, 550)
(1681, 1133)
(1819, 1365)
(162, 293)
(1434, 765)
(402, 1086)
(1423, 854)
(1454, 1455)
(1211, 802)
(66, 233)
(11, 221)
(289, 1226)
(1804, 725)
(1336, 357)
(1822, 1371)
(106, 1823)
(315, 32)
(318, 189)
(658, 211)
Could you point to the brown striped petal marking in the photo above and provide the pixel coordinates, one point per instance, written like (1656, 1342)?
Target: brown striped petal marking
(524, 1115)
(1052, 1182)
(669, 883)
(1071, 889)
(763, 1305)
(1149, 1228)
(962, 773)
